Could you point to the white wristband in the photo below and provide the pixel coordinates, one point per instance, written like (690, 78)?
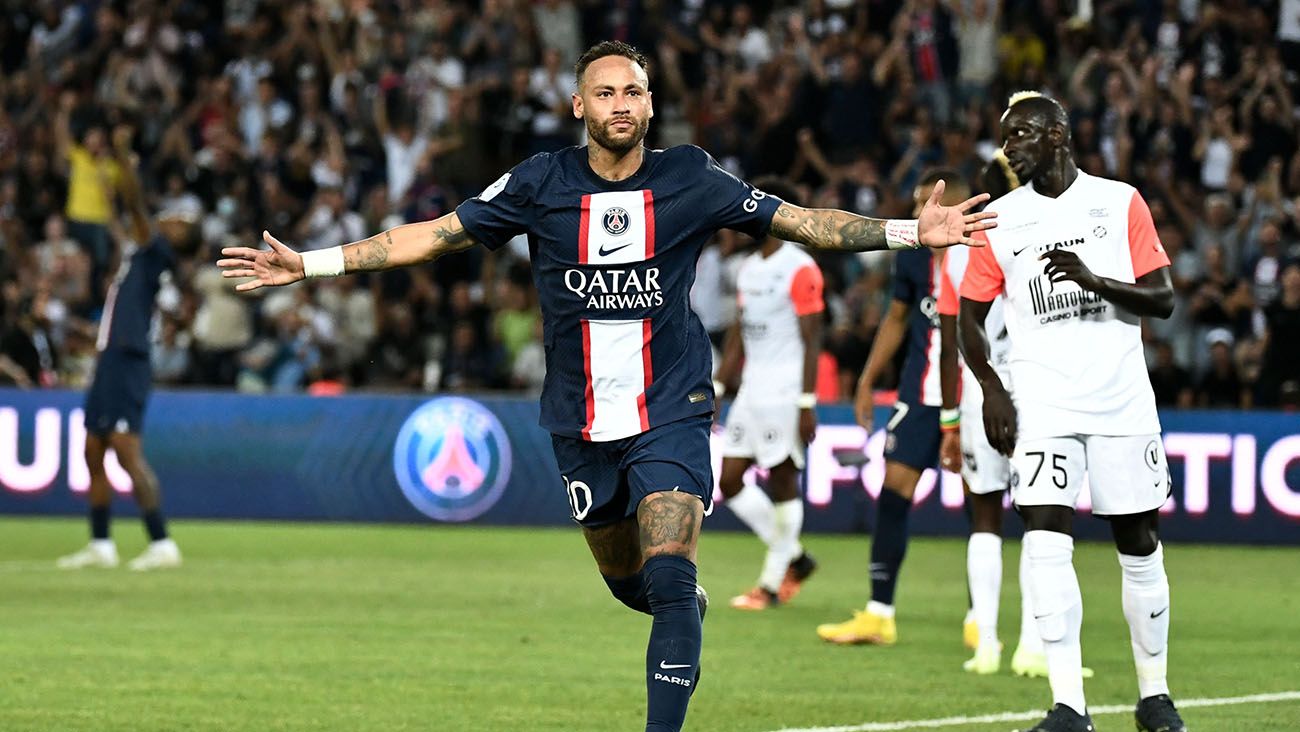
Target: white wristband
(323, 263)
(902, 234)
(719, 389)
(806, 401)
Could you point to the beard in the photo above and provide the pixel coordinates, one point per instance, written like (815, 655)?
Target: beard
(601, 134)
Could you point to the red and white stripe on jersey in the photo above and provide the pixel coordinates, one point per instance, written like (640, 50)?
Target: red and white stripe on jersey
(931, 390)
(110, 306)
(616, 228)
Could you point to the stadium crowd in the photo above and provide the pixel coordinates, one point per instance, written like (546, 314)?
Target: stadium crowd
(325, 121)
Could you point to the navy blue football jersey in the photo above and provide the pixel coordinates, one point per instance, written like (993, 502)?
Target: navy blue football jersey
(128, 309)
(916, 283)
(614, 263)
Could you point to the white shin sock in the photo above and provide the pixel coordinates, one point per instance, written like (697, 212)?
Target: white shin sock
(1058, 609)
(1146, 607)
(984, 573)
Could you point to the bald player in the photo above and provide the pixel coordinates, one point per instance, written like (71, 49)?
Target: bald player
(1079, 264)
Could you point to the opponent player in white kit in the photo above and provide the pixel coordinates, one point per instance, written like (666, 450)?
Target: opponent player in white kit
(1079, 263)
(985, 472)
(778, 337)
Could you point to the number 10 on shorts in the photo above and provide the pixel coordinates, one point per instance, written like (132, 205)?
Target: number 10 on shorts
(579, 498)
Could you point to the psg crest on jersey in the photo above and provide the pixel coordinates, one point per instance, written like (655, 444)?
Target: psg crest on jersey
(615, 220)
(452, 459)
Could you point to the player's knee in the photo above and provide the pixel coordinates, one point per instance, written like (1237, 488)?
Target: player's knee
(670, 582)
(731, 483)
(630, 591)
(1141, 543)
(1136, 536)
(1047, 518)
(94, 450)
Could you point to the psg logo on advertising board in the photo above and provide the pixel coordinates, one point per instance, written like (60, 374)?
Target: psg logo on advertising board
(615, 220)
(452, 459)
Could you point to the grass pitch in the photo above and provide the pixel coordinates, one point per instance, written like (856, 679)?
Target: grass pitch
(340, 627)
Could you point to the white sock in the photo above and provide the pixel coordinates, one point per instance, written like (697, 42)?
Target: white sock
(789, 524)
(1058, 608)
(881, 609)
(105, 546)
(752, 506)
(1029, 638)
(984, 572)
(1146, 607)
(784, 547)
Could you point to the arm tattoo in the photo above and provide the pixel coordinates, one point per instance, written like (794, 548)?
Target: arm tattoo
(369, 255)
(669, 523)
(828, 228)
(449, 238)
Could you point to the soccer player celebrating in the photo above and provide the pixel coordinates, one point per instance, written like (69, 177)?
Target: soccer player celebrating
(1079, 266)
(912, 440)
(119, 390)
(614, 230)
(778, 337)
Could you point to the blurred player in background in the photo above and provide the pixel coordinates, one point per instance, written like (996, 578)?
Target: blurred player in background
(119, 389)
(778, 338)
(1079, 264)
(912, 440)
(614, 232)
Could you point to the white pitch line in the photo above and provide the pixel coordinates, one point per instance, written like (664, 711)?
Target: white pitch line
(1026, 716)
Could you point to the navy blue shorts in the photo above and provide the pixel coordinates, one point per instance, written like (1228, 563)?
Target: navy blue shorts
(912, 436)
(606, 481)
(118, 393)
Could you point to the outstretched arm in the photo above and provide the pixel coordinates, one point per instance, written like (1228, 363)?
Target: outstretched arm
(937, 227)
(400, 246)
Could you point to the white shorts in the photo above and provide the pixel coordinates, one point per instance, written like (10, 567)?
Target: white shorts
(984, 469)
(765, 432)
(1125, 475)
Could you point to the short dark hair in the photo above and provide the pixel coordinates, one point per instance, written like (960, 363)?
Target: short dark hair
(934, 175)
(779, 187)
(609, 48)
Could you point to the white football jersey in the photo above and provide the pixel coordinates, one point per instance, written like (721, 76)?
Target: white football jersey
(995, 325)
(773, 292)
(1076, 360)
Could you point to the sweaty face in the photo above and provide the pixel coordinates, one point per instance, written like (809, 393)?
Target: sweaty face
(615, 103)
(1026, 142)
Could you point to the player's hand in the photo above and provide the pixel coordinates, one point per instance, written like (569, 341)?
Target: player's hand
(1000, 419)
(278, 265)
(864, 404)
(943, 226)
(950, 451)
(807, 425)
(1063, 266)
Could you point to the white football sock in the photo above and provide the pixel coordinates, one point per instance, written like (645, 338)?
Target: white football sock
(785, 547)
(789, 524)
(1146, 607)
(881, 609)
(1029, 638)
(1058, 609)
(104, 546)
(752, 506)
(984, 572)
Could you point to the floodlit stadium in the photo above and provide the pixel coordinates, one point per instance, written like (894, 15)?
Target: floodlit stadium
(821, 366)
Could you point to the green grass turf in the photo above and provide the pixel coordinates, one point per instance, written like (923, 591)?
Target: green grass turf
(312, 627)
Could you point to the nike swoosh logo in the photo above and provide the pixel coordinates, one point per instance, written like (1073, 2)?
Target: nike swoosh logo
(1158, 614)
(670, 666)
(606, 252)
(1016, 252)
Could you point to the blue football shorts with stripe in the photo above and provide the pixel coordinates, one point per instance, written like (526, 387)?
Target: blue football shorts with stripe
(606, 481)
